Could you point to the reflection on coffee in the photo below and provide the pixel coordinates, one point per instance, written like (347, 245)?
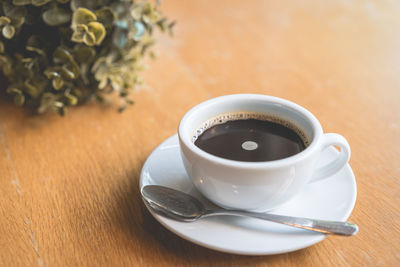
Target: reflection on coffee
(250, 137)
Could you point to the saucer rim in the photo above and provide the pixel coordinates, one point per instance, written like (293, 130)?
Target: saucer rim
(313, 240)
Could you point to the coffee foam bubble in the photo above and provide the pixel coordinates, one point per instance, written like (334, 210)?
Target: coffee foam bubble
(245, 115)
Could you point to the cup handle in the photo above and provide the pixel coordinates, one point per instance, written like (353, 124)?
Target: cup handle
(332, 139)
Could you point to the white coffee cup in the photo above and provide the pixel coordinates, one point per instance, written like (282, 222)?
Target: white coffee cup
(258, 186)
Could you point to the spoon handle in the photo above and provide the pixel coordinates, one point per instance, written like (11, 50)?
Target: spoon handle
(322, 226)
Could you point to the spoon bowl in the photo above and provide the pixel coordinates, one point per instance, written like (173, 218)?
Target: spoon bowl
(161, 199)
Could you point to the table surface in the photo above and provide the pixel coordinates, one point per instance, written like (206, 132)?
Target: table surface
(69, 186)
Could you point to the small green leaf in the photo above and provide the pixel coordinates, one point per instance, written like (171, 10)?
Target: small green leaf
(8, 31)
(139, 30)
(4, 21)
(99, 98)
(89, 38)
(57, 83)
(71, 99)
(84, 54)
(19, 100)
(33, 44)
(39, 2)
(136, 12)
(62, 55)
(37, 50)
(82, 16)
(51, 73)
(77, 36)
(103, 82)
(56, 16)
(98, 31)
(14, 12)
(69, 74)
(171, 28)
(162, 24)
(6, 66)
(153, 55)
(106, 16)
(31, 89)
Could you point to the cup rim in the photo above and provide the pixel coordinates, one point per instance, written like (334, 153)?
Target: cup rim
(316, 127)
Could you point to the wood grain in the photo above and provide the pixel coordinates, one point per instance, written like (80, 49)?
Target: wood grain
(69, 186)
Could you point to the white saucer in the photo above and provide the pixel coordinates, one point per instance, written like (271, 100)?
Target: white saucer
(329, 199)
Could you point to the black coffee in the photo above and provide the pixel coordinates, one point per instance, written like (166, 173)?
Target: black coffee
(250, 140)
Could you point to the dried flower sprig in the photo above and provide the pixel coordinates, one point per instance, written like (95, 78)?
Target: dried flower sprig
(61, 53)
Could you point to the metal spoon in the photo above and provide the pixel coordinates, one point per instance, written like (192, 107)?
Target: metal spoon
(183, 207)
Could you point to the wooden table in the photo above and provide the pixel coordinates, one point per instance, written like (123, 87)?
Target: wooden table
(69, 186)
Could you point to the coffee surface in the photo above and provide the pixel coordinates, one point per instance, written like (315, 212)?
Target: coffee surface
(250, 140)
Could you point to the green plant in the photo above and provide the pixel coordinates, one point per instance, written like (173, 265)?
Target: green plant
(60, 53)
